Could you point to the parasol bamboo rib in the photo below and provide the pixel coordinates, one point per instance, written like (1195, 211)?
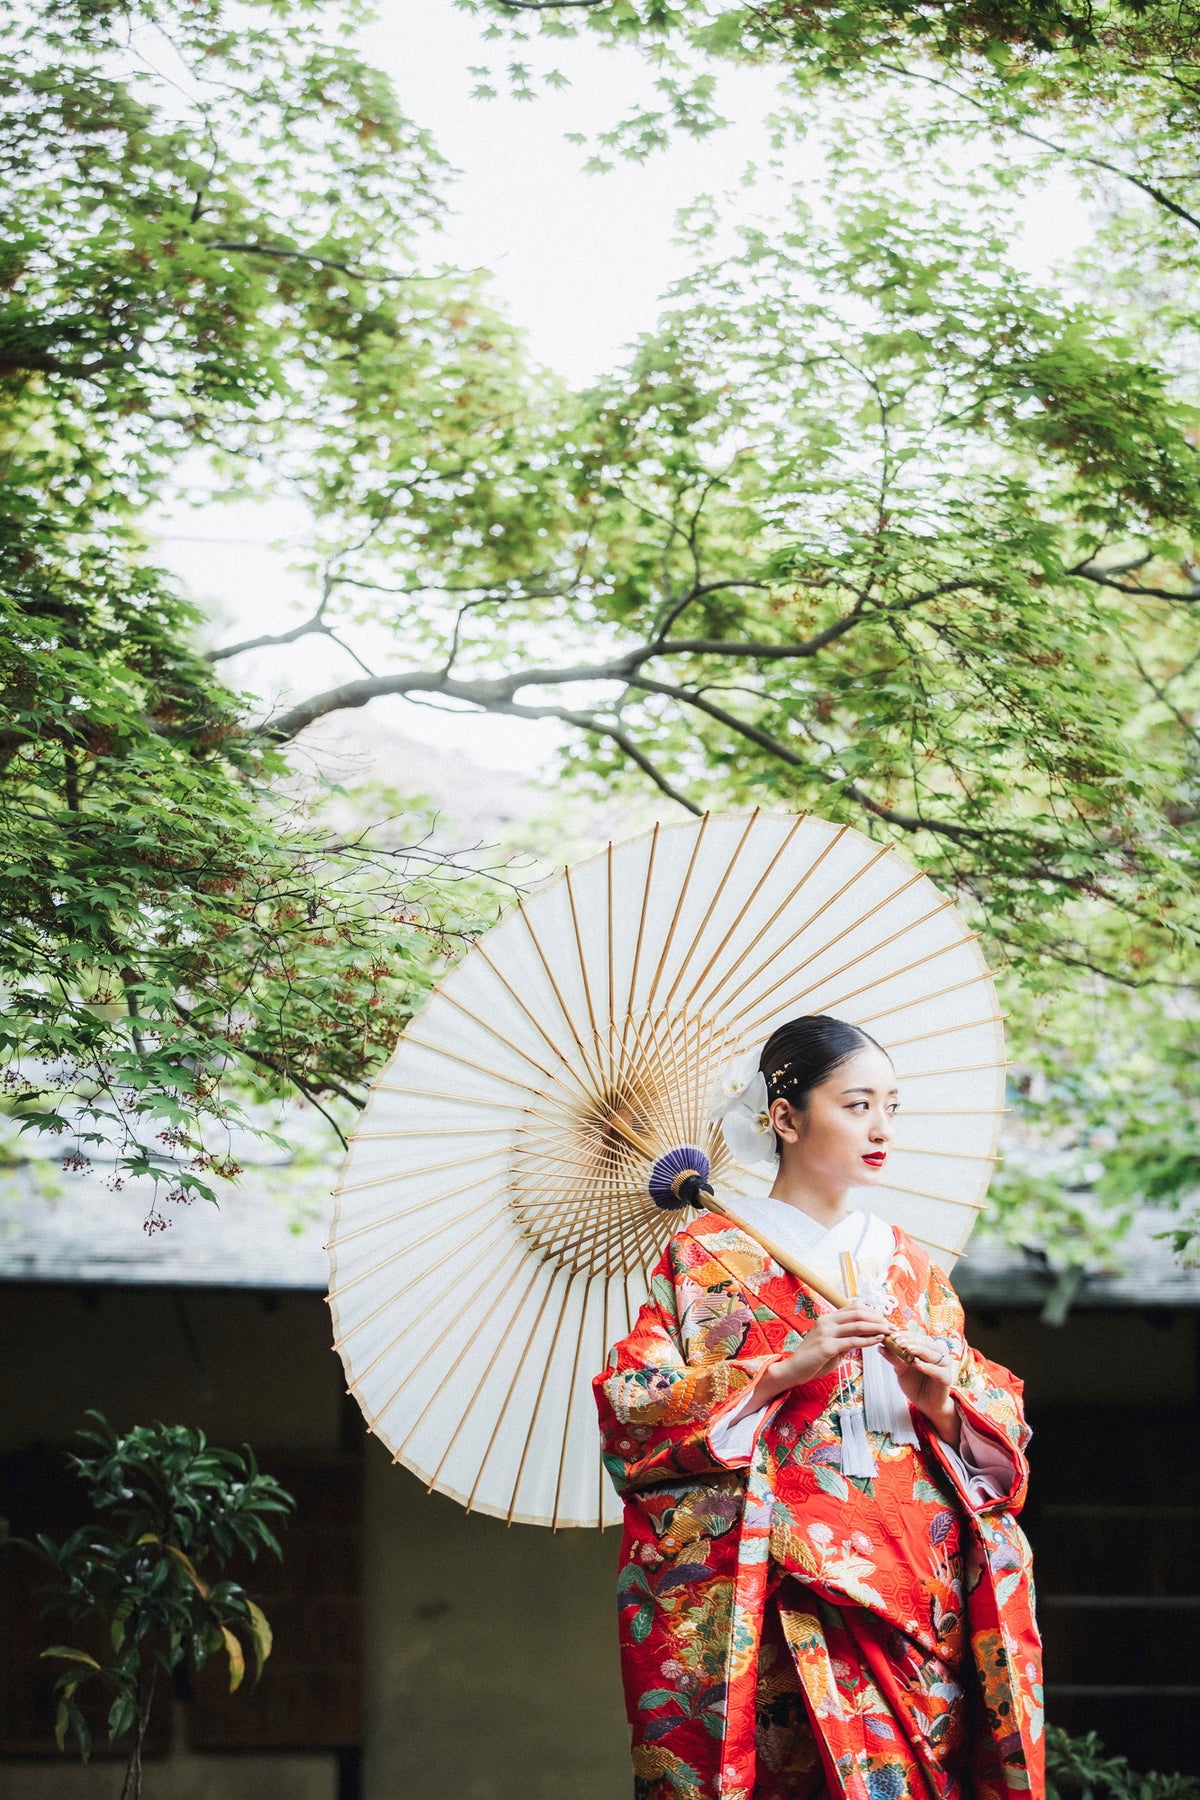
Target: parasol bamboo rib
(853, 962)
(561, 1237)
(537, 1405)
(462, 1098)
(530, 1340)
(896, 1187)
(566, 1430)
(552, 1075)
(754, 888)
(641, 930)
(457, 1162)
(932, 1244)
(510, 1255)
(410, 1037)
(677, 914)
(778, 949)
(921, 1037)
(562, 1005)
(669, 1086)
(582, 960)
(512, 993)
(955, 987)
(640, 1242)
(408, 1213)
(711, 908)
(955, 1069)
(711, 992)
(928, 1150)
(735, 1018)
(469, 1345)
(431, 1131)
(431, 1304)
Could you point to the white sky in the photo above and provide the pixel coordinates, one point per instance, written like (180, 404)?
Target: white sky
(579, 262)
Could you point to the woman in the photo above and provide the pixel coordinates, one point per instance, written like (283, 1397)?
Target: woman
(822, 1589)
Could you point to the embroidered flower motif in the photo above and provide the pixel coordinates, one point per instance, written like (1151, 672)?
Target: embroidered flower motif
(820, 1534)
(740, 1102)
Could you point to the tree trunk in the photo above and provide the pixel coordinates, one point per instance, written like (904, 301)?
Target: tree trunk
(132, 1786)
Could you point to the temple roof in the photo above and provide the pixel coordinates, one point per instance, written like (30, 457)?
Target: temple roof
(269, 1233)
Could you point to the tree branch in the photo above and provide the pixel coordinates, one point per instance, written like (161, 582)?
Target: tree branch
(775, 747)
(269, 639)
(618, 735)
(1102, 579)
(495, 693)
(1096, 162)
(490, 695)
(283, 253)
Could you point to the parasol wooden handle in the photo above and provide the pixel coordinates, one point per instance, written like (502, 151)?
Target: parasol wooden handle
(800, 1270)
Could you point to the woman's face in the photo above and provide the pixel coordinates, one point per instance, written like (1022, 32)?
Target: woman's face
(841, 1138)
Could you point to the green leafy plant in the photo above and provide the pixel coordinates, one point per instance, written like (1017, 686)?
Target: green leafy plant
(1081, 1765)
(147, 1573)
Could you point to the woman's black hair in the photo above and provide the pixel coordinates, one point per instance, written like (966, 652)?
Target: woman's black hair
(799, 1056)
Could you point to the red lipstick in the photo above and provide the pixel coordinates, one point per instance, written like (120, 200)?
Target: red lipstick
(875, 1159)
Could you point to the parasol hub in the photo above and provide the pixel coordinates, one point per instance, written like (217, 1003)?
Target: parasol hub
(680, 1178)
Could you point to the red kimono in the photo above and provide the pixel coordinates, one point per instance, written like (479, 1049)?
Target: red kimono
(788, 1630)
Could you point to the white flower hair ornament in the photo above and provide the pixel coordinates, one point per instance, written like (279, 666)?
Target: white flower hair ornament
(739, 1101)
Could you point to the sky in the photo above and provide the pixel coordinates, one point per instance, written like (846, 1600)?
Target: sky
(578, 261)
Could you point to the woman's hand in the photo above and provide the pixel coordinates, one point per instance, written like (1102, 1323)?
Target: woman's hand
(835, 1335)
(926, 1382)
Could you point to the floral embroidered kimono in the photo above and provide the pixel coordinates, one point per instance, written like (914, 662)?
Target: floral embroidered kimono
(787, 1630)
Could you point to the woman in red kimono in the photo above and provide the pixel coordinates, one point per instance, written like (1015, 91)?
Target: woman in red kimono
(823, 1591)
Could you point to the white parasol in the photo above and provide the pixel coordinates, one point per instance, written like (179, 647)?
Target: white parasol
(492, 1230)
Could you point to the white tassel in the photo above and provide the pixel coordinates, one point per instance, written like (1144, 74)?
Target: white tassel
(856, 1449)
(883, 1399)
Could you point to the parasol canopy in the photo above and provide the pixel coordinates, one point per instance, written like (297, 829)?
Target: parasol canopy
(492, 1230)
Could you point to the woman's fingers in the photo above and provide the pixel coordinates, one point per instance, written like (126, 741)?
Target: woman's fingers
(857, 1318)
(930, 1357)
(860, 1312)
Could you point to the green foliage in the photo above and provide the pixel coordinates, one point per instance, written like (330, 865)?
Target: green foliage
(1116, 81)
(1081, 1766)
(1066, 457)
(209, 248)
(147, 1573)
(177, 937)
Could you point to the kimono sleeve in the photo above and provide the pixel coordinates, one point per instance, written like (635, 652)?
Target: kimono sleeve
(989, 1398)
(659, 1398)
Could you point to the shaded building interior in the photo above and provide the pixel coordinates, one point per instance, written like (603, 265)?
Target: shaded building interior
(426, 1653)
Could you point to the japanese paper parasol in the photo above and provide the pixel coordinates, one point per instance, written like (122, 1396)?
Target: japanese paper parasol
(492, 1231)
